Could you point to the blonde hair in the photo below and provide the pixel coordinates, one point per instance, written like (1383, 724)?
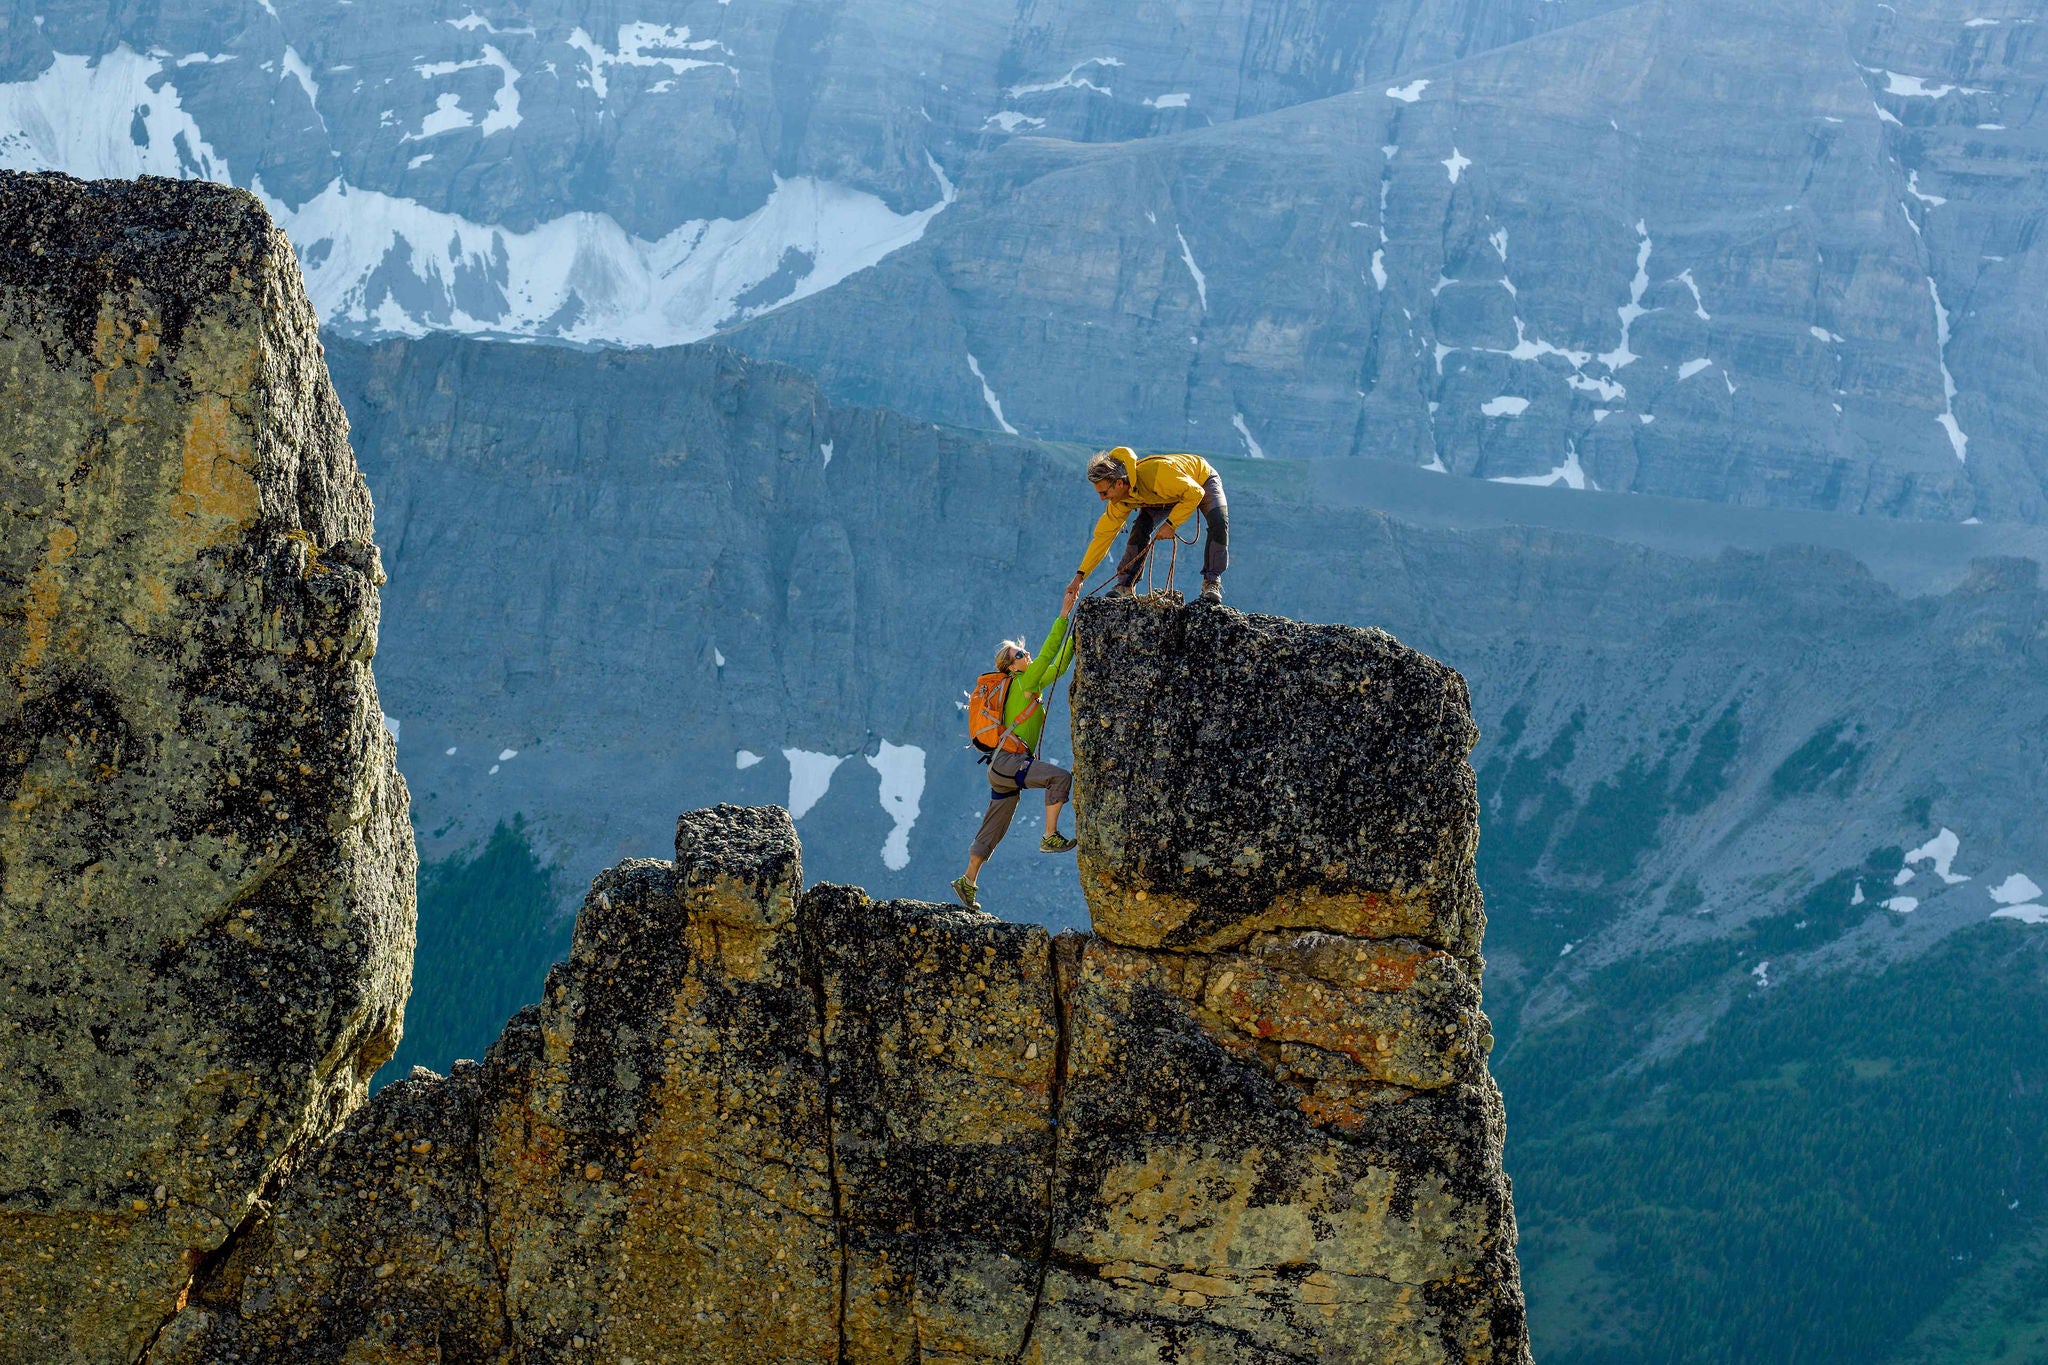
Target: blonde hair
(1008, 650)
(1105, 467)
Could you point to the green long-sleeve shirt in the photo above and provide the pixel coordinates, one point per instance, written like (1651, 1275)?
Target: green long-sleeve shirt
(1054, 658)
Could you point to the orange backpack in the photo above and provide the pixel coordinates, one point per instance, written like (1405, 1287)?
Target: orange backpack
(985, 715)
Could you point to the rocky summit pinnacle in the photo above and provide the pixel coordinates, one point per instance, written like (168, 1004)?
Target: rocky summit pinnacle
(757, 1121)
(206, 867)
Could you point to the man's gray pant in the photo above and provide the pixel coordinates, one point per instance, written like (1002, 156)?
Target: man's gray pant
(1145, 525)
(1004, 789)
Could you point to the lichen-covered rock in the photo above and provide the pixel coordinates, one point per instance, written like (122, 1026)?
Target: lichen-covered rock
(206, 866)
(1229, 1190)
(661, 1174)
(753, 1123)
(1250, 772)
(943, 1038)
(1279, 1139)
(378, 1250)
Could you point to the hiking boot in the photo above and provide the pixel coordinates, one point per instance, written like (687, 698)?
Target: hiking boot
(1212, 590)
(1056, 842)
(964, 889)
(1123, 590)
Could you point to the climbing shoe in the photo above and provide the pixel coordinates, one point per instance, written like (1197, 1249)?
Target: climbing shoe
(1055, 842)
(1123, 590)
(964, 889)
(1212, 590)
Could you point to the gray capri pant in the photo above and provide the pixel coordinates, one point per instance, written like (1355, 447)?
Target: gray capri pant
(1004, 789)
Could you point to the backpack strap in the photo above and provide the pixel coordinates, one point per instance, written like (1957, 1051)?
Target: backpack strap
(1010, 730)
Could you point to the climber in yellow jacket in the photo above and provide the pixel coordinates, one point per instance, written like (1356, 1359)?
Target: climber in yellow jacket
(1164, 490)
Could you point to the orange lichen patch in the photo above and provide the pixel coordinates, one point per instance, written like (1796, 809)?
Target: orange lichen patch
(217, 497)
(44, 597)
(125, 349)
(1149, 917)
(1349, 1109)
(1398, 913)
(1391, 1037)
(1372, 964)
(733, 926)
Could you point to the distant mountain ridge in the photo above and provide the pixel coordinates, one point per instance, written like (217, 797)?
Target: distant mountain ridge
(1722, 251)
(646, 174)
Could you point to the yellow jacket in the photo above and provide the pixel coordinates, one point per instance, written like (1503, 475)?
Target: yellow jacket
(1156, 481)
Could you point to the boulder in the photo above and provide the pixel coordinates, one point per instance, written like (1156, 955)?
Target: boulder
(206, 865)
(1245, 773)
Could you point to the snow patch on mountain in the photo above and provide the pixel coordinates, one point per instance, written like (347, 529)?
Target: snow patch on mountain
(1187, 255)
(295, 67)
(1251, 442)
(810, 776)
(1940, 851)
(901, 767)
(988, 395)
(389, 264)
(378, 263)
(1699, 305)
(2015, 889)
(1571, 474)
(472, 21)
(99, 117)
(449, 114)
(643, 44)
(1073, 80)
(1958, 441)
(1633, 310)
(1933, 201)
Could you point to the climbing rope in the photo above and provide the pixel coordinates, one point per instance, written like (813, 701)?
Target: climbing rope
(1166, 594)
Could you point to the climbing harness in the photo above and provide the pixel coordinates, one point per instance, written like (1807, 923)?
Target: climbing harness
(1018, 778)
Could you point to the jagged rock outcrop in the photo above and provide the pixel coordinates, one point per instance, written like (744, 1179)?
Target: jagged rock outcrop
(1279, 1137)
(754, 1121)
(206, 866)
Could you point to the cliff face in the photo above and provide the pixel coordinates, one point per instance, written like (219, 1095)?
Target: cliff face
(206, 867)
(1249, 1119)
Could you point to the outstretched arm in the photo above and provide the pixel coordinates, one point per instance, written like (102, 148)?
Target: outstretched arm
(1111, 521)
(1050, 661)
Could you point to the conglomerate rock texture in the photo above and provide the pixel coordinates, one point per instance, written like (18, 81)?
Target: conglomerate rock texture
(1247, 1120)
(206, 865)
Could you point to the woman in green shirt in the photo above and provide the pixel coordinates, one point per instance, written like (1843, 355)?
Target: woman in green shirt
(1015, 765)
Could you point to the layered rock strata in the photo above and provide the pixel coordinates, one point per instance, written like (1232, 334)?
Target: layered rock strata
(1248, 1120)
(206, 866)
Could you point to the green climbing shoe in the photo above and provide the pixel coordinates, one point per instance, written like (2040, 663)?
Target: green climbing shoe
(1055, 842)
(964, 889)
